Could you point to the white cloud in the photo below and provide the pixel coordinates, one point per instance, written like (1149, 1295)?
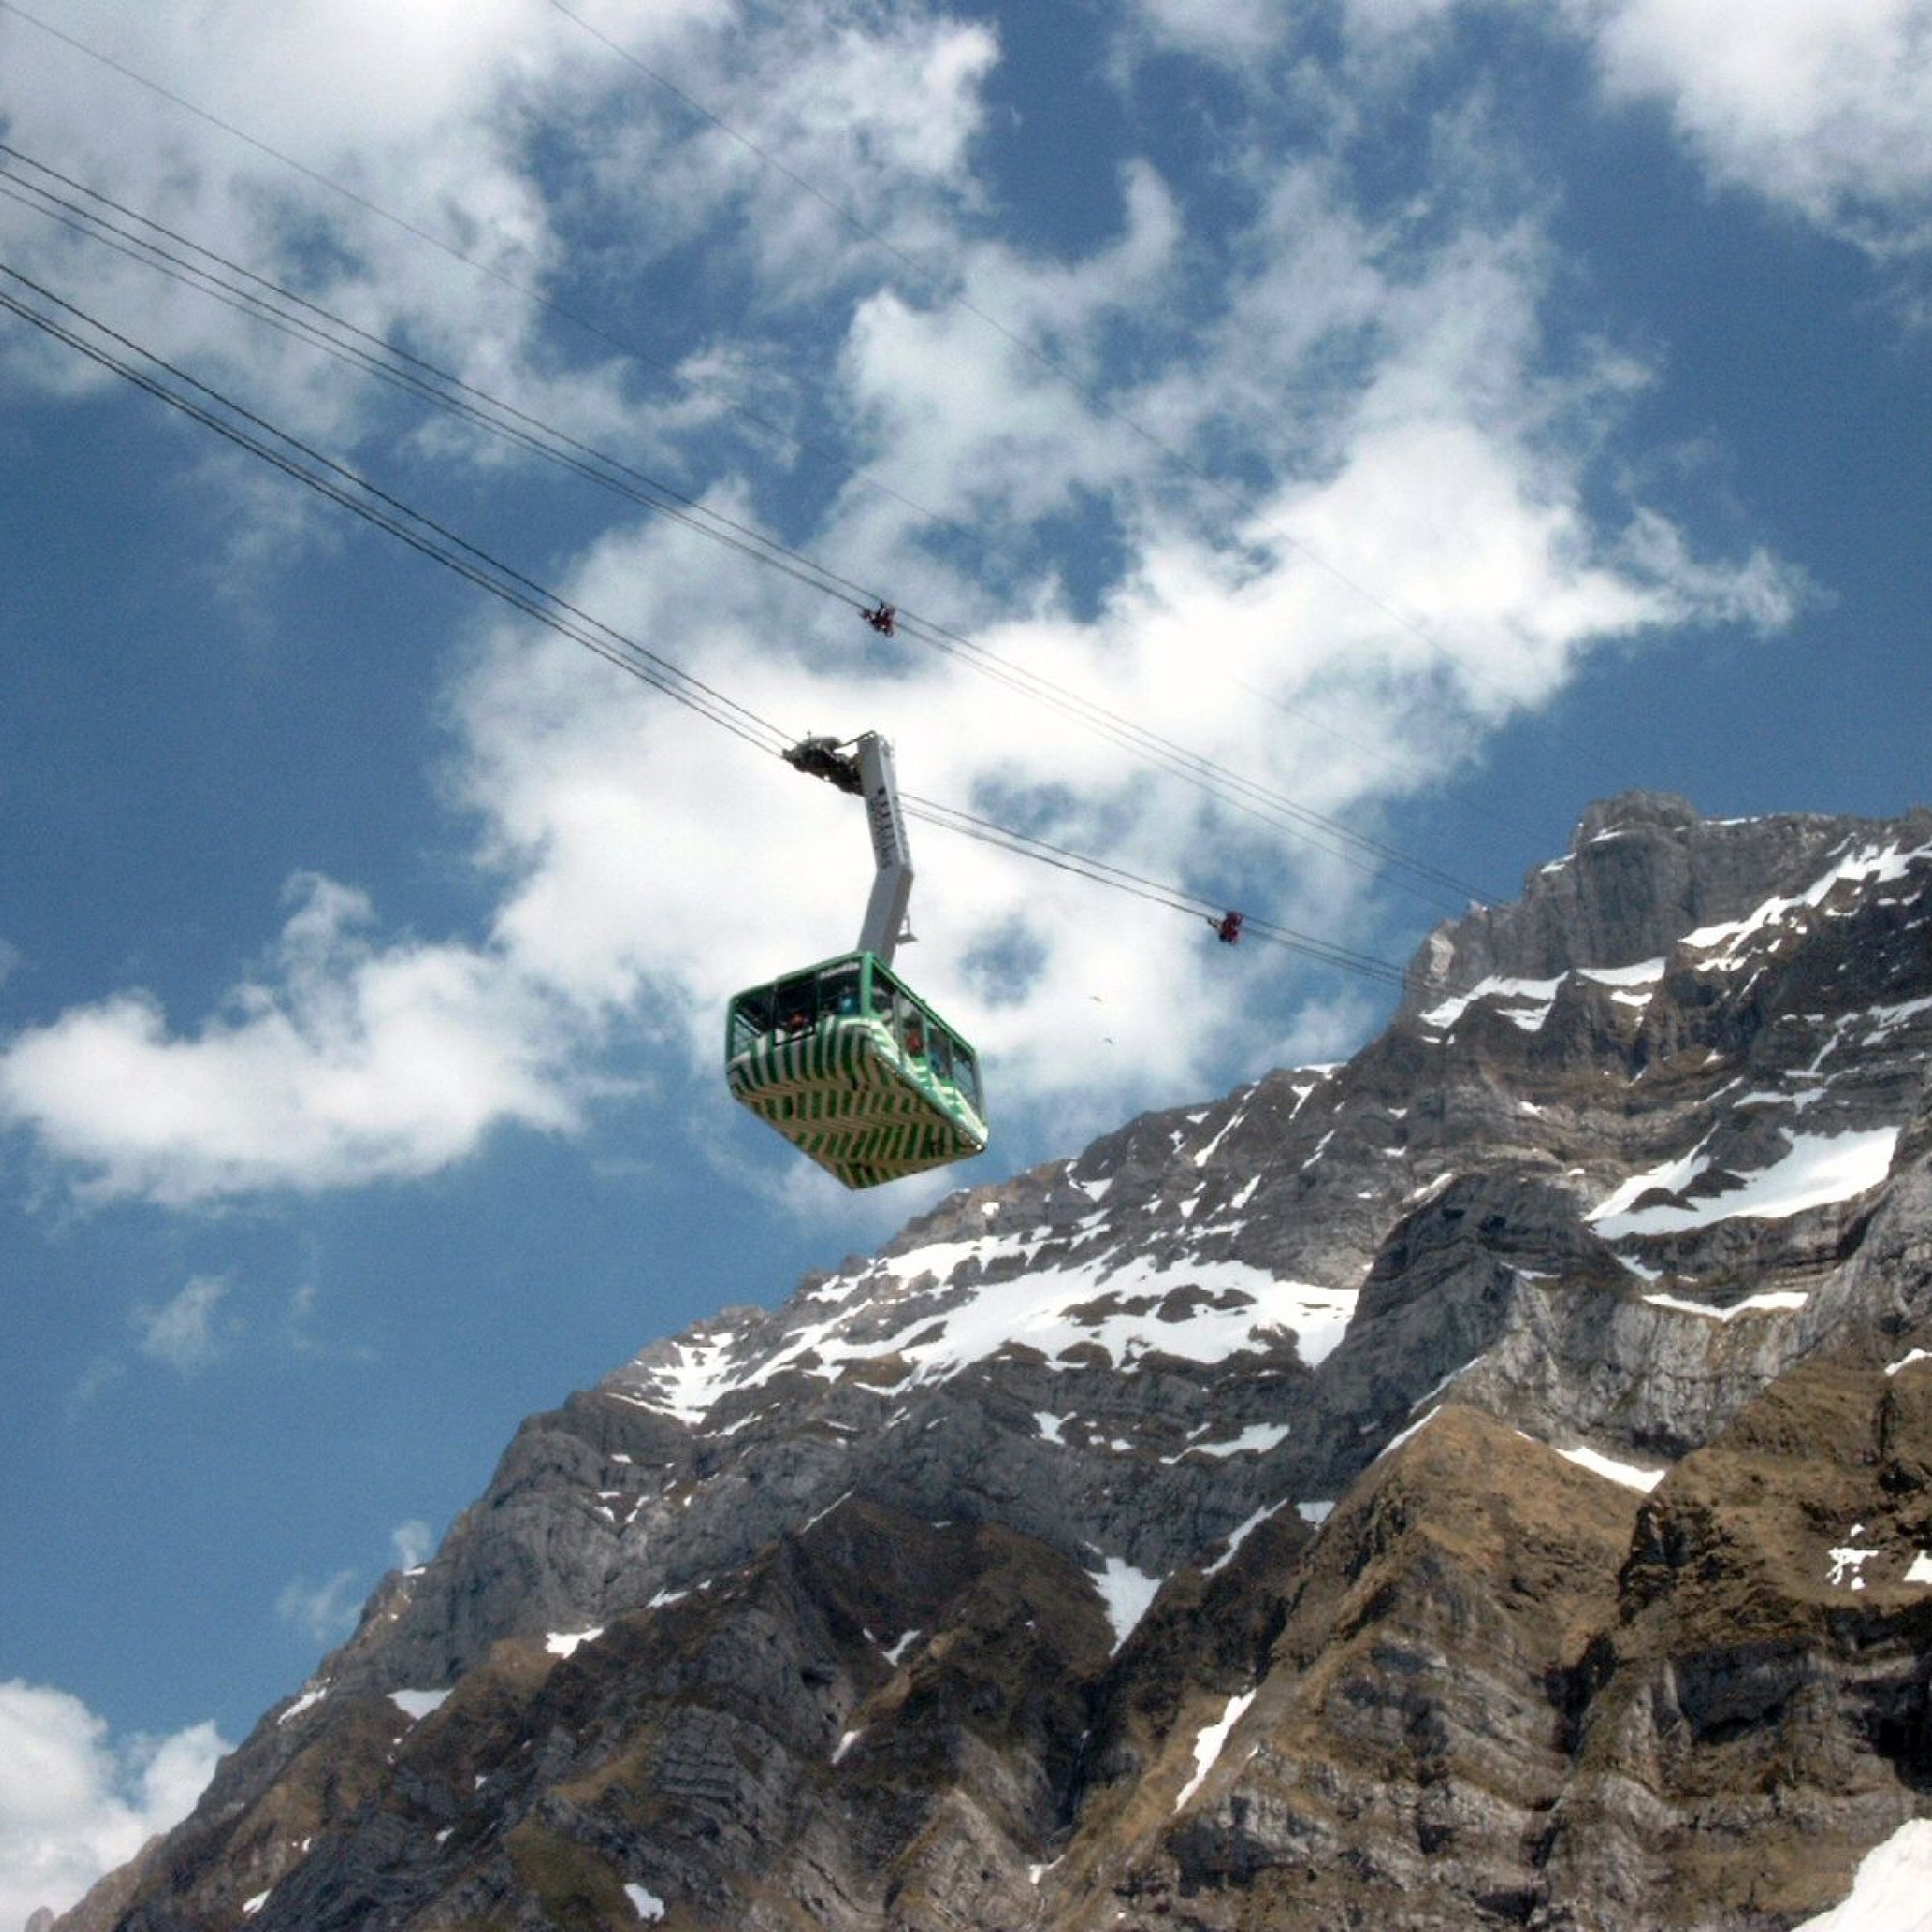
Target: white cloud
(1419, 554)
(325, 1611)
(1824, 105)
(412, 1543)
(411, 131)
(971, 424)
(797, 135)
(182, 1332)
(75, 1802)
(1383, 19)
(302, 1335)
(1224, 29)
(99, 1375)
(397, 186)
(344, 1061)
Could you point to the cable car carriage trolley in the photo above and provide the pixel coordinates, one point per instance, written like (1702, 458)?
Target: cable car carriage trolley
(843, 1058)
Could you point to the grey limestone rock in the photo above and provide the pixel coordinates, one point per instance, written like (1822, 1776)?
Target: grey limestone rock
(1644, 869)
(1487, 1483)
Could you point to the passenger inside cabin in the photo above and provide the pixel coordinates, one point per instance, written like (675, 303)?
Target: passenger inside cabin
(838, 992)
(796, 1004)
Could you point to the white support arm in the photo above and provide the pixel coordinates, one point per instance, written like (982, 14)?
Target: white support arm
(892, 888)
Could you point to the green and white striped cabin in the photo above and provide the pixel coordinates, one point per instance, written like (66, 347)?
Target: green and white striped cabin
(856, 1072)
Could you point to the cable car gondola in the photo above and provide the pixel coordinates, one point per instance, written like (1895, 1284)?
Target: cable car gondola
(843, 1058)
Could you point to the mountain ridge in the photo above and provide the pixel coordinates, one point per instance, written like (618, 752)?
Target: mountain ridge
(1390, 1494)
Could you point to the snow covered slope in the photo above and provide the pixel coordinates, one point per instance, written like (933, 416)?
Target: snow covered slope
(1487, 1482)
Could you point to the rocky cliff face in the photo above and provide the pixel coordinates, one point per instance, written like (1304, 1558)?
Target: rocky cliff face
(1486, 1483)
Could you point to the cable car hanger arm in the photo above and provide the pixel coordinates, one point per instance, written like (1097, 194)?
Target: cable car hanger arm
(867, 770)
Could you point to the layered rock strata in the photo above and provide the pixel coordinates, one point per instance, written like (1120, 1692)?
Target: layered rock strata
(1484, 1483)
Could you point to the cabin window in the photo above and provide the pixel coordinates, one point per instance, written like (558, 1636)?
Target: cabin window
(939, 1050)
(750, 1019)
(966, 1075)
(838, 990)
(795, 1003)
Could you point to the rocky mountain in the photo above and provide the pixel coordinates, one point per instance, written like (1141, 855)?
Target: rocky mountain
(1487, 1483)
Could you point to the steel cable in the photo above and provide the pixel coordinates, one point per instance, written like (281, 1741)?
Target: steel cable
(343, 486)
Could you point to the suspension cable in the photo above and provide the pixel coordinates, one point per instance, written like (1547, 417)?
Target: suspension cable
(294, 314)
(626, 347)
(933, 283)
(311, 322)
(1296, 820)
(1176, 898)
(301, 463)
(355, 493)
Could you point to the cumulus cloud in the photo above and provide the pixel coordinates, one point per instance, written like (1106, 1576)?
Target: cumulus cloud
(75, 1802)
(1418, 546)
(1822, 105)
(344, 1060)
(821, 142)
(406, 133)
(401, 185)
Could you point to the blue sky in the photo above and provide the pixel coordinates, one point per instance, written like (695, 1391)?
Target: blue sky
(1439, 413)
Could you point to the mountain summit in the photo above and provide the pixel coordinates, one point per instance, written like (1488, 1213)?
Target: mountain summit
(1487, 1483)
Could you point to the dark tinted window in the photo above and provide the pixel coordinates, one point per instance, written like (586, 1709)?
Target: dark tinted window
(838, 990)
(750, 1019)
(912, 1029)
(966, 1075)
(795, 1005)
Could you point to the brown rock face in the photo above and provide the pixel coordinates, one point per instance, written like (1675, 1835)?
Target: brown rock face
(1405, 1737)
(1487, 1484)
